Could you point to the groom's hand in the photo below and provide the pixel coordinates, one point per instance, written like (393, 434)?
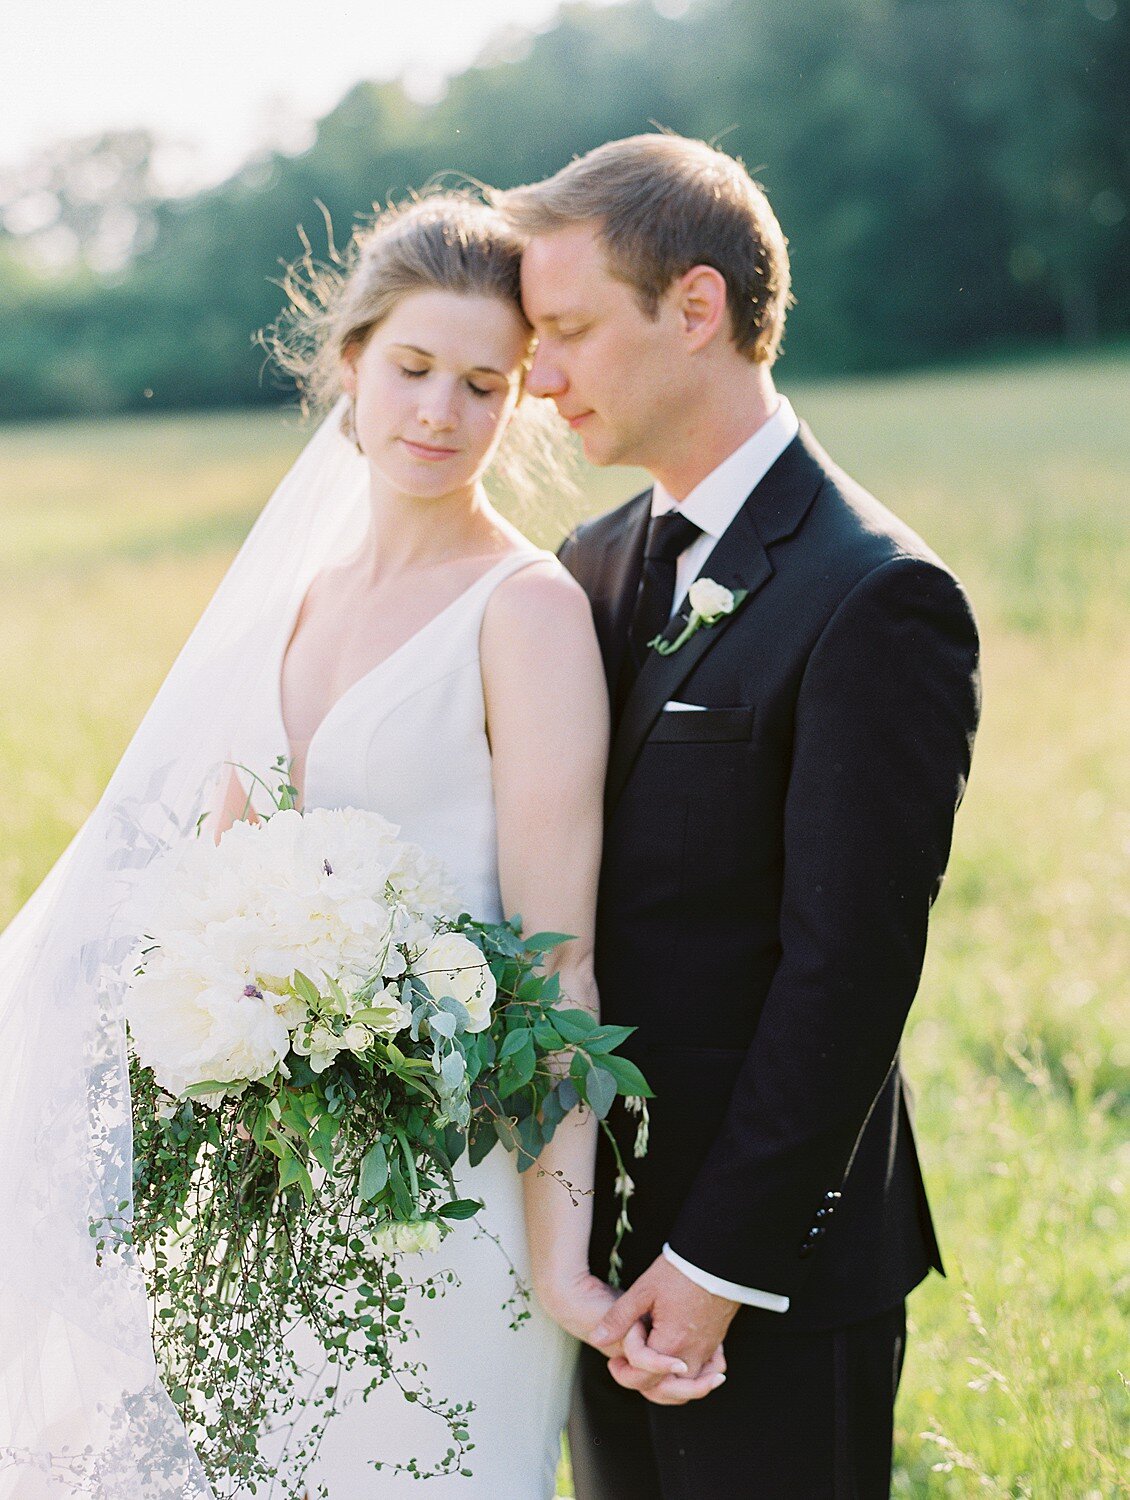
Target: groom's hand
(684, 1319)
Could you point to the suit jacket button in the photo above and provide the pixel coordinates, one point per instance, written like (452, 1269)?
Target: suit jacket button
(832, 1197)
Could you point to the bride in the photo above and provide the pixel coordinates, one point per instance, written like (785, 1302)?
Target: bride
(410, 651)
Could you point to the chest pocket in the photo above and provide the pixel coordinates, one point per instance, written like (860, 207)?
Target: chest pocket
(702, 726)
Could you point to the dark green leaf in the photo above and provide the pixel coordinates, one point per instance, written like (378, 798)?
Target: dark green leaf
(514, 1041)
(460, 1208)
(374, 1172)
(542, 942)
(604, 1038)
(568, 1094)
(532, 1140)
(546, 1035)
(482, 1143)
(600, 1087)
(629, 1079)
(574, 1025)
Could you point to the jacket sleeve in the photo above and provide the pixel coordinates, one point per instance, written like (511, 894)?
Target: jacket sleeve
(885, 717)
(567, 551)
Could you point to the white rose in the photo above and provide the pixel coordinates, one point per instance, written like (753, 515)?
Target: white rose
(710, 599)
(398, 1015)
(408, 1239)
(356, 1038)
(321, 1047)
(452, 965)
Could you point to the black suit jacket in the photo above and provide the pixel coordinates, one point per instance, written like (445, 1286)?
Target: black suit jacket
(769, 865)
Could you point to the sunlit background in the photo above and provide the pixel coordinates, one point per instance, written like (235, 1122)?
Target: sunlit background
(954, 178)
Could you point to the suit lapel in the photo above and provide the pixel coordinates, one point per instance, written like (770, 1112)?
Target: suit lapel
(614, 597)
(740, 560)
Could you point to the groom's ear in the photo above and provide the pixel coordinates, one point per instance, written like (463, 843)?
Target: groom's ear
(700, 302)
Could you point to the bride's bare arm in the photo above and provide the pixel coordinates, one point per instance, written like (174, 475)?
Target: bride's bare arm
(547, 717)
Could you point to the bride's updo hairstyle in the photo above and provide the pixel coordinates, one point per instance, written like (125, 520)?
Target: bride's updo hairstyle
(440, 241)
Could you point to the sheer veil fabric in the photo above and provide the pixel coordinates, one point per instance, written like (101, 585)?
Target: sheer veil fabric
(82, 1409)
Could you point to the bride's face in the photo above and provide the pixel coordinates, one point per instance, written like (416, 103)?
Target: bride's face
(435, 386)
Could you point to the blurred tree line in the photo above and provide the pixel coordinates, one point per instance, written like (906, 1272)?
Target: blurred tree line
(953, 176)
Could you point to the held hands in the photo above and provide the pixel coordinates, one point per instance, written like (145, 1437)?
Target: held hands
(589, 1309)
(686, 1322)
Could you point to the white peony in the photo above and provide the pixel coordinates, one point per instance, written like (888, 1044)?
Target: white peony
(710, 600)
(331, 892)
(452, 965)
(191, 1027)
(407, 1239)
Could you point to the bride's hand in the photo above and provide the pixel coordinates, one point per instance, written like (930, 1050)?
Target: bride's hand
(580, 1303)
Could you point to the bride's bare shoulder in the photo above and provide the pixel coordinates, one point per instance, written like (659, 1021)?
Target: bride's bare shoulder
(540, 597)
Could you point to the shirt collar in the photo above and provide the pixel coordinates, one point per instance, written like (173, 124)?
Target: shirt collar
(716, 500)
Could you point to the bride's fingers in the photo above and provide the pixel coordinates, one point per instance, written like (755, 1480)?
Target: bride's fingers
(669, 1390)
(641, 1356)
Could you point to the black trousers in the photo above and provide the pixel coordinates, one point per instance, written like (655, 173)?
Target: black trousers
(802, 1416)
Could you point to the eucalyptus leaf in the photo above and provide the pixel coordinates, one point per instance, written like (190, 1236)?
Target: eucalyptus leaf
(453, 1070)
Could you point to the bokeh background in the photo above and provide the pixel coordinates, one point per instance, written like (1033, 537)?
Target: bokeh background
(954, 178)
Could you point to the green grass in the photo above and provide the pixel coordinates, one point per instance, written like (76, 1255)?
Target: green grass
(1019, 1045)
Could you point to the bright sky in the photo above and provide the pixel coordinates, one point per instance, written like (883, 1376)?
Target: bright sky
(227, 76)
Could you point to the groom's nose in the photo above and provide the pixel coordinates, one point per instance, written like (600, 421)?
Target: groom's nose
(546, 377)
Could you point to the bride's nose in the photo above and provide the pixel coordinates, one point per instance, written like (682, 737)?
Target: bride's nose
(437, 407)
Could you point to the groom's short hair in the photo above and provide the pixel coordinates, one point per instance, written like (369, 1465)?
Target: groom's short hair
(662, 204)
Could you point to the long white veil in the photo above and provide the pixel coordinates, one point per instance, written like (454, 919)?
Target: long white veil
(82, 1410)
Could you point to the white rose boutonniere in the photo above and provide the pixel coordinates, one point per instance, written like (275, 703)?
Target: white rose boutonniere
(709, 603)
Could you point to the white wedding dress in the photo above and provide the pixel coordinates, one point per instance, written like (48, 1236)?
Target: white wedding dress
(409, 740)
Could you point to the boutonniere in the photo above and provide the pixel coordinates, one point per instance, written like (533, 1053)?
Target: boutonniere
(709, 603)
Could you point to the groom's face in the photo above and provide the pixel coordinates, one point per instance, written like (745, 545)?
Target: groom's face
(612, 371)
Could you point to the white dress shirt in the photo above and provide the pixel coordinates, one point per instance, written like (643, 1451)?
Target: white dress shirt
(716, 500)
(712, 505)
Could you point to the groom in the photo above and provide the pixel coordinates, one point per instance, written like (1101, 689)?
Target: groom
(780, 801)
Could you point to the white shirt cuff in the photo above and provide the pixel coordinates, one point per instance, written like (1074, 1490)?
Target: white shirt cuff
(770, 1301)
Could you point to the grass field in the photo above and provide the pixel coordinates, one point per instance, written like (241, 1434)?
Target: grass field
(1019, 1044)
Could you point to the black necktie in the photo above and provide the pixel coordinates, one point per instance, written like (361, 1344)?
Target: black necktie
(668, 536)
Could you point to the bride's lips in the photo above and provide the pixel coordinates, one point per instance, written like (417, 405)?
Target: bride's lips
(428, 451)
(575, 422)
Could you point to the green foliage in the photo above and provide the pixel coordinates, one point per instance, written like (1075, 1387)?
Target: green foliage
(952, 176)
(286, 1204)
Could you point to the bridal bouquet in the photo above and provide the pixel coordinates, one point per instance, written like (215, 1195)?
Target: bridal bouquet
(318, 1035)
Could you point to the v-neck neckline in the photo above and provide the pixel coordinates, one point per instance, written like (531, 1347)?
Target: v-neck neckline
(372, 671)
